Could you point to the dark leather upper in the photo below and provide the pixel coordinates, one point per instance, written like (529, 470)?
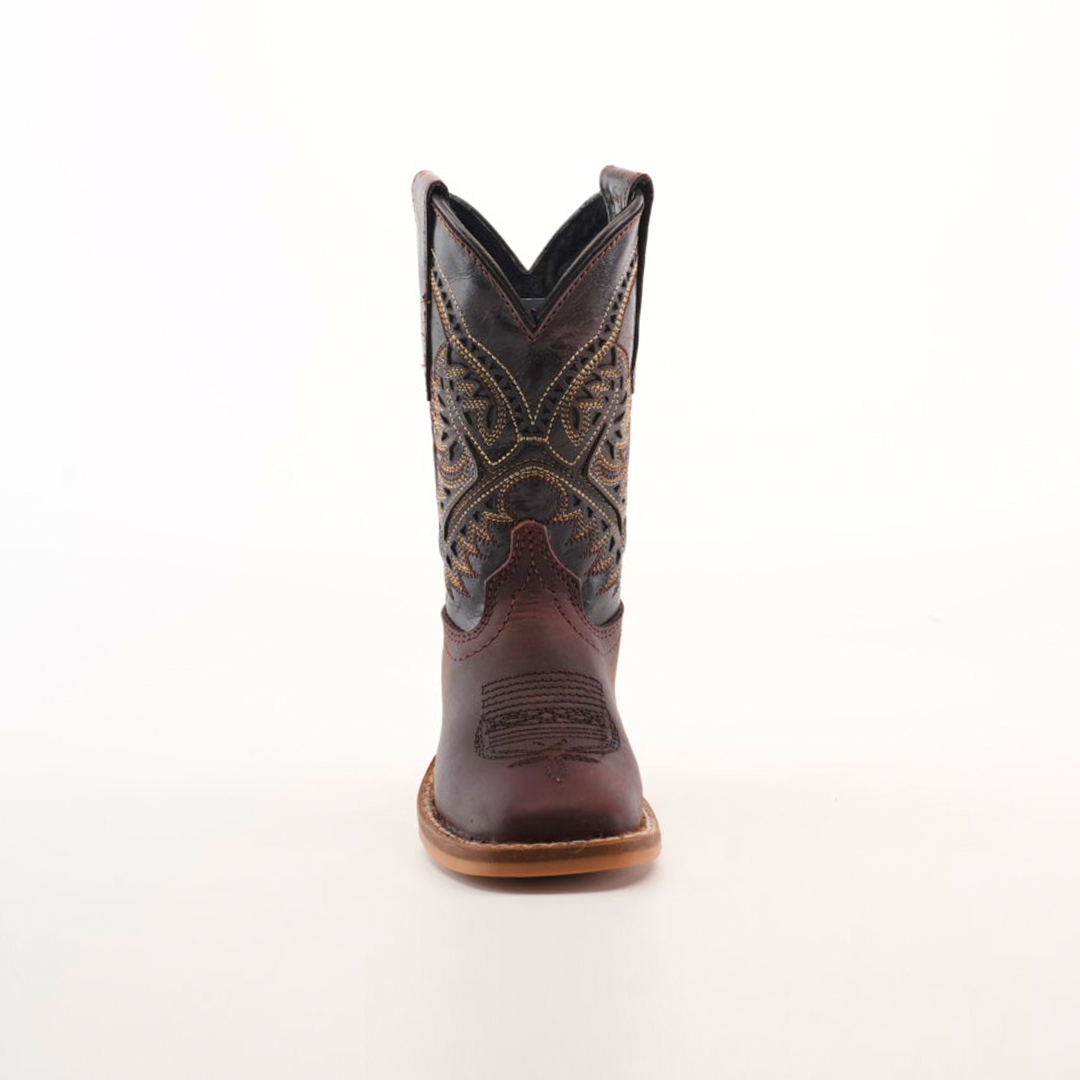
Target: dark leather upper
(529, 377)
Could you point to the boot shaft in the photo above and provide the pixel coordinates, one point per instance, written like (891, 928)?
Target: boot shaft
(529, 376)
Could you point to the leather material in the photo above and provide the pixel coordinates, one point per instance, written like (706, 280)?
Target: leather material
(532, 747)
(424, 187)
(530, 386)
(618, 188)
(529, 373)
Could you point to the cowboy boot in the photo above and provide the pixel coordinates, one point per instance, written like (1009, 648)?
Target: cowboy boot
(529, 374)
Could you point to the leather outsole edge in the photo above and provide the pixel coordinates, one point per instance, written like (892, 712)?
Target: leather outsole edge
(480, 858)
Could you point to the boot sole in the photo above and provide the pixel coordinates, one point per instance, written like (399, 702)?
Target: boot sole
(493, 859)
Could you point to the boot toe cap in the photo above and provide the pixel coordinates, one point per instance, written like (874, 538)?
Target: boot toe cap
(527, 806)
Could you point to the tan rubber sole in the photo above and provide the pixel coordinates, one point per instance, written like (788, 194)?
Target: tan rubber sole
(490, 859)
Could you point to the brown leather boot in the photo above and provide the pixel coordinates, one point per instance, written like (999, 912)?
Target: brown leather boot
(530, 374)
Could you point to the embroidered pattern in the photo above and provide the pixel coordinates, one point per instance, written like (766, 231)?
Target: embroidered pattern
(548, 717)
(501, 458)
(455, 465)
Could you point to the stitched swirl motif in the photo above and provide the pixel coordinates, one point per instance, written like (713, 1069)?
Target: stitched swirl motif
(502, 458)
(481, 391)
(610, 462)
(580, 391)
(548, 717)
(586, 401)
(455, 464)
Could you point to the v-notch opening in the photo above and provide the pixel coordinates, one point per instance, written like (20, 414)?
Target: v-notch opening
(534, 291)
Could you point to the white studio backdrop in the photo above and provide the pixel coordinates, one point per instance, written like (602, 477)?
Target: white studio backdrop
(850, 664)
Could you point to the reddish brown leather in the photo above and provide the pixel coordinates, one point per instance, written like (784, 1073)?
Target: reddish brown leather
(535, 650)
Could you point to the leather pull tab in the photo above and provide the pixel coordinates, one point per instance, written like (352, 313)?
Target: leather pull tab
(425, 184)
(619, 188)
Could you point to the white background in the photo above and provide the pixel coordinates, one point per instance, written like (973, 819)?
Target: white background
(850, 665)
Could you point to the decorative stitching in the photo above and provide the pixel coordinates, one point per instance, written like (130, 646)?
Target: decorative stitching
(607, 334)
(552, 719)
(531, 543)
(439, 282)
(483, 409)
(532, 333)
